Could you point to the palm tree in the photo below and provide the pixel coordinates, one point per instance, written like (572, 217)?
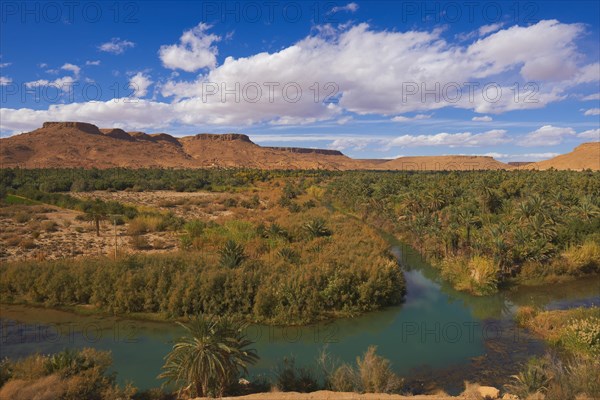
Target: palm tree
(586, 209)
(95, 213)
(232, 254)
(212, 355)
(316, 228)
(468, 219)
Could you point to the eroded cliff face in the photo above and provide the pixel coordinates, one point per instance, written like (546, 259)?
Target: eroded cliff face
(304, 150)
(225, 137)
(80, 144)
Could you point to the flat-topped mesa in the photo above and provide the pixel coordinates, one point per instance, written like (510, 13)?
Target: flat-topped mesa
(82, 126)
(303, 150)
(225, 137)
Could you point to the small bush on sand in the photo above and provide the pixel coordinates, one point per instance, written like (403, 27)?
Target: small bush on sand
(140, 242)
(22, 217)
(372, 374)
(137, 227)
(49, 226)
(27, 244)
(194, 228)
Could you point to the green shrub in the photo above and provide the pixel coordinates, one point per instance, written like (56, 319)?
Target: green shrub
(584, 258)
(583, 335)
(316, 228)
(194, 228)
(534, 378)
(289, 378)
(232, 255)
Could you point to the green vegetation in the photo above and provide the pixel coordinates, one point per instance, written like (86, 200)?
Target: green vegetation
(273, 267)
(68, 375)
(550, 378)
(182, 180)
(482, 229)
(280, 249)
(372, 374)
(577, 330)
(211, 358)
(236, 270)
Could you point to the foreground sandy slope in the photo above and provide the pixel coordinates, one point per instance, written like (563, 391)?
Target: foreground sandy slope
(327, 395)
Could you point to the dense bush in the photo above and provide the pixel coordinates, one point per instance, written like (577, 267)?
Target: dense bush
(551, 378)
(68, 375)
(176, 285)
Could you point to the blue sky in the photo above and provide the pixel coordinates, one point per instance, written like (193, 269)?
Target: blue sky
(377, 79)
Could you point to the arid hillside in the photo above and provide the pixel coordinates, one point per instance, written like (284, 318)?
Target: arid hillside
(584, 156)
(80, 144)
(442, 163)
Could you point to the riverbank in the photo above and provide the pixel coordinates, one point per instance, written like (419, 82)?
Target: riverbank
(576, 330)
(473, 392)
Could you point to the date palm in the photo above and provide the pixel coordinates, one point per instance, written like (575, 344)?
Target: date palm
(232, 254)
(210, 357)
(586, 209)
(316, 228)
(96, 213)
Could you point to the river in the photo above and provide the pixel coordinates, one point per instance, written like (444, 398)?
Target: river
(436, 339)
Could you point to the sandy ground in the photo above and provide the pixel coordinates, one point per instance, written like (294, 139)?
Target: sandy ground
(36, 238)
(327, 395)
(68, 238)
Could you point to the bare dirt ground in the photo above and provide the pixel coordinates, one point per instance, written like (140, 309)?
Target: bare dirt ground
(46, 232)
(327, 395)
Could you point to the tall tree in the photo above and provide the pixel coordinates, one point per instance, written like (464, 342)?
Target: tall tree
(210, 357)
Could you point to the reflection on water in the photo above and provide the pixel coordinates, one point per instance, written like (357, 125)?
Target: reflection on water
(437, 334)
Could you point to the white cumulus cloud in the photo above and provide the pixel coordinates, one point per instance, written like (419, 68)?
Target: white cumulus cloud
(139, 83)
(590, 134)
(71, 67)
(195, 50)
(485, 118)
(547, 135)
(65, 83)
(492, 137)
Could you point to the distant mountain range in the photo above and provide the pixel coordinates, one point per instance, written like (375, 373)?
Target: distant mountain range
(80, 144)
